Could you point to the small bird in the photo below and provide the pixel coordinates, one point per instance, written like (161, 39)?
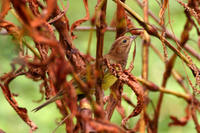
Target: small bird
(118, 54)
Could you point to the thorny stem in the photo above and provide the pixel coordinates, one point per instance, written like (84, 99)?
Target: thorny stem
(192, 52)
(169, 34)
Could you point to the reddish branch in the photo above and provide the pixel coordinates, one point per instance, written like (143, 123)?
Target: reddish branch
(145, 65)
(101, 26)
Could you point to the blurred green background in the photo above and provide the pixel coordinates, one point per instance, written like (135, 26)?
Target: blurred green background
(46, 119)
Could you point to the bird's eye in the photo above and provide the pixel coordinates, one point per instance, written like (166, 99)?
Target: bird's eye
(124, 41)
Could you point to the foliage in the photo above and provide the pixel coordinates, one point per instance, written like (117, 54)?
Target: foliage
(51, 60)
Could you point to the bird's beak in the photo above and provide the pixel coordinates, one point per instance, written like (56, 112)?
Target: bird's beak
(133, 37)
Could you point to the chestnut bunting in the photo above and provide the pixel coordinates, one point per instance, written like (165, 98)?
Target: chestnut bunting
(118, 54)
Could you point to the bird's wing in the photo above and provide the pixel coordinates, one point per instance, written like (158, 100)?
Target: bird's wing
(108, 80)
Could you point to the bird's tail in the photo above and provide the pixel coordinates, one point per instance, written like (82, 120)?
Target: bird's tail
(53, 99)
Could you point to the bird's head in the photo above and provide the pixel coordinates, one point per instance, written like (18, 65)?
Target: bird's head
(121, 46)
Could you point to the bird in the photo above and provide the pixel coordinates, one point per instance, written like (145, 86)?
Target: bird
(118, 54)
